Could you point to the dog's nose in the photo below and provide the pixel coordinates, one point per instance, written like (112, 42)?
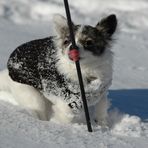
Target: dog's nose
(71, 47)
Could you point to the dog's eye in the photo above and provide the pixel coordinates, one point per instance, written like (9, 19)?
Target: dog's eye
(89, 43)
(66, 42)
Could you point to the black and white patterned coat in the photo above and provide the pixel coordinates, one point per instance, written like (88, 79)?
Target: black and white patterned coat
(34, 64)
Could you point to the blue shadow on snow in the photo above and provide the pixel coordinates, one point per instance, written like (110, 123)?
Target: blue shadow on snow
(131, 101)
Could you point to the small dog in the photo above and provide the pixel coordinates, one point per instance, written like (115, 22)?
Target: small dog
(42, 77)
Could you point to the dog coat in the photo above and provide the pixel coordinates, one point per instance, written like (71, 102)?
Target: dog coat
(35, 64)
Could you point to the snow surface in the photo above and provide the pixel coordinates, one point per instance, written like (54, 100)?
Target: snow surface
(24, 20)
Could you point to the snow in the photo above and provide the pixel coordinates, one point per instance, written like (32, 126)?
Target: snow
(24, 20)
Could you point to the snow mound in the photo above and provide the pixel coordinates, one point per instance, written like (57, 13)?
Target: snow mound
(128, 126)
(32, 133)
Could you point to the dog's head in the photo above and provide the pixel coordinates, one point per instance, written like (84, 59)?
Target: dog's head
(92, 41)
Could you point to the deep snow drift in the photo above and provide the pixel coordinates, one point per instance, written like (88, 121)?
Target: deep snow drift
(24, 20)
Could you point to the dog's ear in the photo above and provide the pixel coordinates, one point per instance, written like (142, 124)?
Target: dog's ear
(60, 23)
(108, 24)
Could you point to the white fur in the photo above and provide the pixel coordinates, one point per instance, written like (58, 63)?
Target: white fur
(61, 112)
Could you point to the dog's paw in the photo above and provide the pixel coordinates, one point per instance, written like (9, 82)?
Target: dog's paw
(102, 122)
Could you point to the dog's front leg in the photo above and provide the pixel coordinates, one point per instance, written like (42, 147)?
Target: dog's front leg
(62, 112)
(101, 111)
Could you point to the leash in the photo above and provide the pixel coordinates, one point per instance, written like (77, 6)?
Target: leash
(74, 56)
